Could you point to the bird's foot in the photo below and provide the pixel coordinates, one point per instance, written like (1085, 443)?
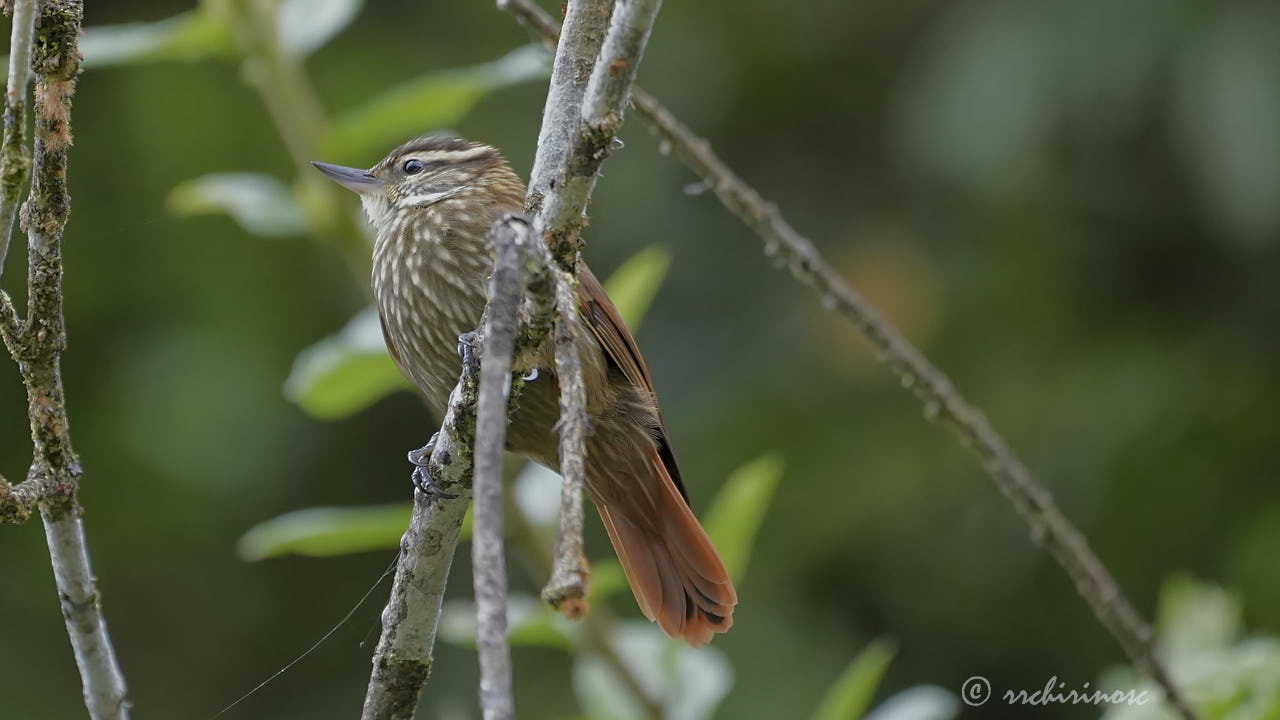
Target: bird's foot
(422, 455)
(422, 481)
(467, 352)
(421, 476)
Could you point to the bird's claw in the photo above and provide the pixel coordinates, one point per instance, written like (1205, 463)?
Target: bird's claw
(467, 352)
(421, 476)
(422, 455)
(423, 482)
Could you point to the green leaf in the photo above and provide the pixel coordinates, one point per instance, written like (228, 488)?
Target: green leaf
(261, 204)
(634, 284)
(431, 101)
(346, 372)
(304, 26)
(734, 516)
(851, 693)
(327, 531)
(1194, 617)
(192, 35)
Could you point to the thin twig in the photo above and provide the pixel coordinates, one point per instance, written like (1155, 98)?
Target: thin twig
(510, 237)
(37, 343)
(14, 158)
(1049, 527)
(566, 590)
(18, 502)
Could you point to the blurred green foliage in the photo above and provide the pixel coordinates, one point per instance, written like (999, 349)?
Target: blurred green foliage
(1223, 672)
(1073, 207)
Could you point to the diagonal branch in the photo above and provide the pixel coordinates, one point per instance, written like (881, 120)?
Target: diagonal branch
(1049, 527)
(402, 658)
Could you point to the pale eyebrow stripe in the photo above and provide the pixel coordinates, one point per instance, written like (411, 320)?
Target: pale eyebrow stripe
(453, 156)
(431, 198)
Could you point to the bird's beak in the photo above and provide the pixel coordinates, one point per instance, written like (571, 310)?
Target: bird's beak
(357, 181)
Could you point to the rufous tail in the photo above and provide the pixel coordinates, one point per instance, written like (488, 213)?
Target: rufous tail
(675, 572)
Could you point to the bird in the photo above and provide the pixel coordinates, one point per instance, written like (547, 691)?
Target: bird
(432, 202)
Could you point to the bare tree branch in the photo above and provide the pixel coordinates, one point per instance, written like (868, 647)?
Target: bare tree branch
(14, 158)
(510, 237)
(603, 104)
(1049, 527)
(584, 29)
(566, 590)
(37, 342)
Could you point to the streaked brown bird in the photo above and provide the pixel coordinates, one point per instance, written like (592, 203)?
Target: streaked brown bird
(432, 202)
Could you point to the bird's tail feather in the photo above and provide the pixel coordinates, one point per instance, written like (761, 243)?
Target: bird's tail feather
(675, 572)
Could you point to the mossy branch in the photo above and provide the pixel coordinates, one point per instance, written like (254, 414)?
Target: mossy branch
(36, 342)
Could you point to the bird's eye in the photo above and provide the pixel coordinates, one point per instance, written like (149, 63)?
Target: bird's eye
(413, 167)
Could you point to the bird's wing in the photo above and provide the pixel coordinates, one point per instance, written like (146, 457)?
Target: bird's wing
(606, 324)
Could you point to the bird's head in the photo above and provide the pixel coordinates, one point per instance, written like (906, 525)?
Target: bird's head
(427, 172)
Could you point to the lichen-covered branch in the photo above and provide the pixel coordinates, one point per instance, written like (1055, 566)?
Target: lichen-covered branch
(603, 104)
(18, 502)
(37, 342)
(585, 22)
(1049, 527)
(402, 658)
(14, 158)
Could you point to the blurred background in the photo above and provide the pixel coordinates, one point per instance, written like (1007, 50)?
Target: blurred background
(1072, 207)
